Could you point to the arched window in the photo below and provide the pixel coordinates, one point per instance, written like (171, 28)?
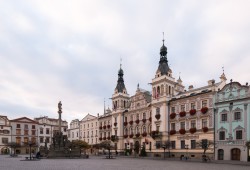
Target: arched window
(137, 116)
(154, 93)
(131, 131)
(149, 129)
(131, 117)
(137, 130)
(144, 115)
(166, 89)
(158, 92)
(162, 89)
(126, 131)
(144, 129)
(124, 105)
(169, 89)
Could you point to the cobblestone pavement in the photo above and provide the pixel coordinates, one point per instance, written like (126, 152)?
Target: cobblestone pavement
(120, 163)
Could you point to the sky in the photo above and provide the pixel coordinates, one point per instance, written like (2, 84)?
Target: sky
(71, 51)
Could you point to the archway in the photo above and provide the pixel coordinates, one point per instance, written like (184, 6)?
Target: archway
(5, 150)
(220, 154)
(235, 154)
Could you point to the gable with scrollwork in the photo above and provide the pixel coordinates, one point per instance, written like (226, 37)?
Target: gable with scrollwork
(239, 128)
(222, 129)
(237, 110)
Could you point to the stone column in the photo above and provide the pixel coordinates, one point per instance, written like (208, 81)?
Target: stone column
(60, 112)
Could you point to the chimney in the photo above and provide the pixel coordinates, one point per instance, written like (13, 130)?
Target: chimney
(211, 82)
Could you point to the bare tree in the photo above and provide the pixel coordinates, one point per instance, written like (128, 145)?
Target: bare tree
(205, 145)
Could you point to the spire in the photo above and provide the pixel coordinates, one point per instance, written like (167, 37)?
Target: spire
(163, 63)
(223, 76)
(179, 79)
(120, 87)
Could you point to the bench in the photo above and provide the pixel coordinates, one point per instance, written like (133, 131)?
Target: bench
(111, 157)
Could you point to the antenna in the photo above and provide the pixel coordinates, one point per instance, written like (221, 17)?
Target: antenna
(120, 62)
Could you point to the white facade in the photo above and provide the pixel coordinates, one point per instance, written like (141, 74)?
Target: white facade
(5, 135)
(89, 129)
(47, 127)
(74, 130)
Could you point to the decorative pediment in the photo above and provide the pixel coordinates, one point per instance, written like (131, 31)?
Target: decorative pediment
(224, 111)
(239, 128)
(222, 129)
(24, 120)
(237, 110)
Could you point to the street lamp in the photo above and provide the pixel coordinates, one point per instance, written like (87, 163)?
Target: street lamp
(186, 147)
(164, 147)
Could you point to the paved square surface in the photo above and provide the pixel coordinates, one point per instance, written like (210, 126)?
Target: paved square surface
(96, 163)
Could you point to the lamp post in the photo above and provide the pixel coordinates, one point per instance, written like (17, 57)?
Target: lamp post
(30, 144)
(186, 147)
(164, 147)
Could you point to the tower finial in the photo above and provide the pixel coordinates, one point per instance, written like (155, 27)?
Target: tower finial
(120, 62)
(223, 69)
(163, 38)
(179, 75)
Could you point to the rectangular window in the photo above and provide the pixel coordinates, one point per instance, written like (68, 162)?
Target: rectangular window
(18, 126)
(25, 139)
(47, 130)
(172, 126)
(222, 135)
(26, 132)
(204, 123)
(182, 144)
(18, 131)
(182, 125)
(26, 126)
(193, 123)
(33, 127)
(239, 134)
(158, 144)
(33, 132)
(193, 144)
(5, 140)
(18, 140)
(173, 144)
(224, 117)
(47, 139)
(157, 110)
(41, 130)
(204, 103)
(236, 115)
(204, 143)
(182, 108)
(192, 105)
(125, 119)
(41, 139)
(144, 116)
(172, 109)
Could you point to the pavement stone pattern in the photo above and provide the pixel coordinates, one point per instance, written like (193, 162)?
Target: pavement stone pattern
(119, 163)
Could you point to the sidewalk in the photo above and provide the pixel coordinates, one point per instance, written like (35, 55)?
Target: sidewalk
(192, 160)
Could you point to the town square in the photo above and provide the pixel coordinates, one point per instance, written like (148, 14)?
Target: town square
(124, 85)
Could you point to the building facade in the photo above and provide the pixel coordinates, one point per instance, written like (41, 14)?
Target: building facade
(24, 131)
(232, 117)
(5, 135)
(74, 130)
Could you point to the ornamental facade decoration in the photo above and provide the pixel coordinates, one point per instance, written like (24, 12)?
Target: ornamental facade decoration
(157, 116)
(192, 112)
(204, 110)
(205, 129)
(172, 115)
(182, 114)
(182, 131)
(172, 132)
(192, 130)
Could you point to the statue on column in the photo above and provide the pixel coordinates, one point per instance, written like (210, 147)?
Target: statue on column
(60, 106)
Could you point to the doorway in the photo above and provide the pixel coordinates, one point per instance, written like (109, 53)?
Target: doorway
(235, 154)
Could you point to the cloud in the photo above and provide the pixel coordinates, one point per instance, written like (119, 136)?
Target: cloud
(71, 50)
